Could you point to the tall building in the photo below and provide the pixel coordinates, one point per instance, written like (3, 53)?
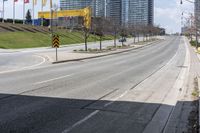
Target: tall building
(140, 12)
(131, 12)
(123, 12)
(114, 9)
(98, 6)
(197, 12)
(74, 4)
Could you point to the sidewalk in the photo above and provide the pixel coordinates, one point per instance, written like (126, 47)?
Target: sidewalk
(196, 58)
(64, 56)
(198, 55)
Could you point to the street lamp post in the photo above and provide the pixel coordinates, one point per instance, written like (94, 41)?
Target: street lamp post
(196, 31)
(189, 22)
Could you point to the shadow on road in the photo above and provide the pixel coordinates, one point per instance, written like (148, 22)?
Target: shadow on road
(33, 114)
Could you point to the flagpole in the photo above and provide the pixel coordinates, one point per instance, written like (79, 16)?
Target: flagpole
(13, 11)
(42, 11)
(23, 12)
(3, 12)
(33, 23)
(51, 19)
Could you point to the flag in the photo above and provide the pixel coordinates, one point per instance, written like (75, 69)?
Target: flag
(34, 2)
(26, 1)
(44, 2)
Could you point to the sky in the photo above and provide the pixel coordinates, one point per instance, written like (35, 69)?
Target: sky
(167, 13)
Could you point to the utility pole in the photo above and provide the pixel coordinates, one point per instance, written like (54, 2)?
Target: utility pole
(196, 32)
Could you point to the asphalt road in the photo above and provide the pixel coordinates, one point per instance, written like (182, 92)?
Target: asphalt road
(130, 92)
(12, 60)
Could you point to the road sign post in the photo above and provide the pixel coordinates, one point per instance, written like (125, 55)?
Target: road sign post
(56, 44)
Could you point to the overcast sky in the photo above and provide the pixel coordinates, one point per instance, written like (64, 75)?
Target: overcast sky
(167, 12)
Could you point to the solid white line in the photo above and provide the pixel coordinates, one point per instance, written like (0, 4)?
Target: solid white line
(28, 67)
(81, 121)
(49, 80)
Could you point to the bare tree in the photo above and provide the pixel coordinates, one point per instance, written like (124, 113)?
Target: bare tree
(132, 31)
(101, 27)
(138, 31)
(114, 29)
(86, 35)
(123, 33)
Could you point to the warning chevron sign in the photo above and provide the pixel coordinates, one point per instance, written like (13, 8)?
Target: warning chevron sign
(56, 41)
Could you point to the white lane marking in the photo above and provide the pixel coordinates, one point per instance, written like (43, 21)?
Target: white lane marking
(49, 80)
(92, 114)
(81, 121)
(113, 100)
(28, 67)
(43, 60)
(107, 104)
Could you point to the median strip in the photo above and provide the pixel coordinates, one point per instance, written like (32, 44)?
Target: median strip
(77, 56)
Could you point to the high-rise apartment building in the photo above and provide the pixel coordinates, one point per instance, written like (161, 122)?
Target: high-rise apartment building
(74, 4)
(197, 12)
(124, 12)
(98, 6)
(114, 9)
(140, 12)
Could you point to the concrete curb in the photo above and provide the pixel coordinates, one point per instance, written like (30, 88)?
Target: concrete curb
(97, 56)
(198, 78)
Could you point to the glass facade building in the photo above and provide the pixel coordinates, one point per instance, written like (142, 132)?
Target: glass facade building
(114, 9)
(124, 12)
(74, 4)
(140, 12)
(197, 12)
(98, 6)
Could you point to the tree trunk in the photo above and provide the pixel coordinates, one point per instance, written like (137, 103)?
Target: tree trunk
(134, 39)
(115, 38)
(100, 43)
(143, 37)
(86, 42)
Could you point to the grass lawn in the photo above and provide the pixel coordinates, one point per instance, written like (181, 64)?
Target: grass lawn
(16, 40)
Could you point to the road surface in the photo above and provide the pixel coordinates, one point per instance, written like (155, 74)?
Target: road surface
(130, 92)
(12, 60)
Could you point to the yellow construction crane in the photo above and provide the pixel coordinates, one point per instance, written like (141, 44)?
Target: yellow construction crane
(85, 13)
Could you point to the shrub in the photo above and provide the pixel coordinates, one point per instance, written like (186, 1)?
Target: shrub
(193, 43)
